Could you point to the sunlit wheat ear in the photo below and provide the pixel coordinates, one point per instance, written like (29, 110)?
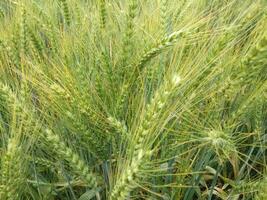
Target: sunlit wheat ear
(75, 162)
(221, 143)
(99, 146)
(42, 162)
(120, 104)
(154, 108)
(60, 92)
(78, 13)
(142, 152)
(103, 13)
(260, 48)
(12, 55)
(164, 17)
(52, 37)
(99, 143)
(121, 132)
(126, 183)
(166, 42)
(49, 29)
(23, 32)
(8, 99)
(66, 11)
(256, 53)
(120, 126)
(129, 31)
(11, 171)
(37, 46)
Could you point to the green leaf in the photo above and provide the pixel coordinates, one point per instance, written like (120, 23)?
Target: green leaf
(90, 194)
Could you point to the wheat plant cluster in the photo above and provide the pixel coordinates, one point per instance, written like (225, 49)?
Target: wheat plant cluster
(133, 100)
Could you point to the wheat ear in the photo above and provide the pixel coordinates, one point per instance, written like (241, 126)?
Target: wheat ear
(74, 160)
(142, 150)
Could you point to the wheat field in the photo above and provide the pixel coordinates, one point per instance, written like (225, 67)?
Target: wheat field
(133, 99)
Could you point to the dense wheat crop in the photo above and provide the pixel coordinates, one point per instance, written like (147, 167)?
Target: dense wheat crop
(133, 99)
